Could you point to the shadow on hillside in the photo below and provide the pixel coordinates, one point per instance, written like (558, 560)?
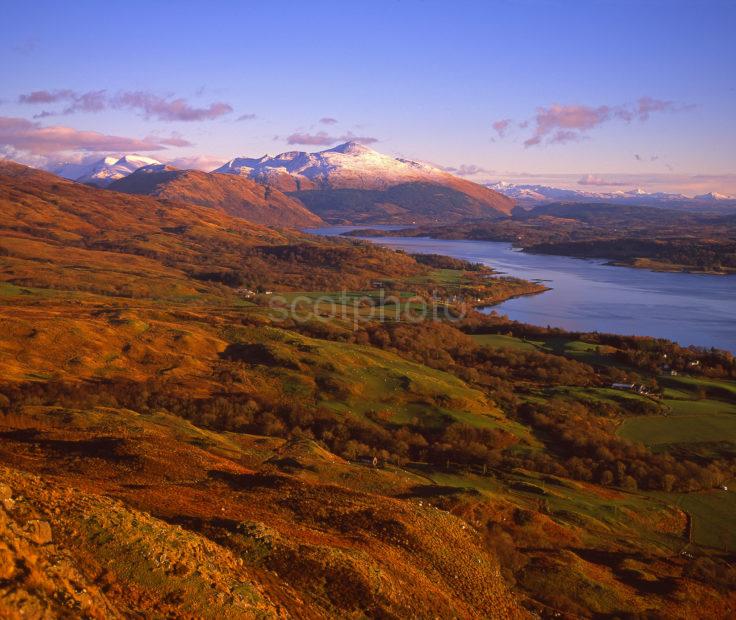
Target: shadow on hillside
(431, 490)
(244, 482)
(107, 448)
(631, 577)
(255, 353)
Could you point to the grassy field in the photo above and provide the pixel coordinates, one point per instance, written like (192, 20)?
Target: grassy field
(498, 341)
(660, 431)
(712, 514)
(691, 419)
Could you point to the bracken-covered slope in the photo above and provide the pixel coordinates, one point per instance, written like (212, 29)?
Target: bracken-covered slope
(170, 447)
(237, 196)
(383, 188)
(136, 515)
(59, 234)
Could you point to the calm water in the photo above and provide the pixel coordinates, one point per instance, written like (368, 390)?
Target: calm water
(588, 295)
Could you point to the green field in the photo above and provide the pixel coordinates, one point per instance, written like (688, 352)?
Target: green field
(497, 341)
(713, 515)
(658, 431)
(690, 385)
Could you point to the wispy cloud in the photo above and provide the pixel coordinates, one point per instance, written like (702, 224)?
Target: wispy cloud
(591, 179)
(25, 135)
(197, 162)
(246, 117)
(45, 96)
(466, 170)
(501, 126)
(150, 105)
(565, 123)
(328, 120)
(322, 138)
(173, 139)
(160, 108)
(558, 123)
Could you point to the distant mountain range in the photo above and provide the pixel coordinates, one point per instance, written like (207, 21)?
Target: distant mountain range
(533, 195)
(350, 183)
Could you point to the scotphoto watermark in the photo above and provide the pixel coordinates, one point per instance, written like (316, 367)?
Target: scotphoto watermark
(366, 308)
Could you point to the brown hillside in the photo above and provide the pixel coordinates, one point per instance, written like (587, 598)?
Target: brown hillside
(59, 234)
(237, 196)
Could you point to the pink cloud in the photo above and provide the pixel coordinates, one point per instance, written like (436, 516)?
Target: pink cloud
(501, 126)
(45, 96)
(328, 120)
(646, 106)
(351, 137)
(173, 139)
(197, 162)
(322, 138)
(160, 108)
(566, 122)
(25, 135)
(565, 135)
(559, 123)
(149, 104)
(466, 170)
(590, 179)
(91, 101)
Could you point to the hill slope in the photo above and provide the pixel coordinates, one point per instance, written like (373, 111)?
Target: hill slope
(63, 235)
(237, 196)
(427, 193)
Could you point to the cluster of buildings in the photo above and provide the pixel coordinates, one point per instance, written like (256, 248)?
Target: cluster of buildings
(632, 387)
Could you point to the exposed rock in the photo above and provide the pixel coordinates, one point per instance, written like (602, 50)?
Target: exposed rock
(5, 492)
(39, 532)
(7, 562)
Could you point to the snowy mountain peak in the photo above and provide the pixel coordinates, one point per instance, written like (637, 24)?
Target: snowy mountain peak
(106, 170)
(348, 165)
(714, 197)
(350, 148)
(137, 160)
(532, 195)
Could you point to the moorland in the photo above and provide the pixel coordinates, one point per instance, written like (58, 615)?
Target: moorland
(203, 416)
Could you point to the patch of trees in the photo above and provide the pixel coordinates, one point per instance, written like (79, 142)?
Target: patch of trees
(439, 261)
(587, 449)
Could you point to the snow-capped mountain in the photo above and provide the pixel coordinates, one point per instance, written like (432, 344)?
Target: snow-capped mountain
(532, 195)
(350, 165)
(106, 170)
(354, 183)
(714, 197)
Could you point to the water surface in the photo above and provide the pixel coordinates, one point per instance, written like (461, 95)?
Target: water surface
(589, 295)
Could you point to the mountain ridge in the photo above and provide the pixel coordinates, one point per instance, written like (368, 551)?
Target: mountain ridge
(237, 196)
(357, 169)
(530, 195)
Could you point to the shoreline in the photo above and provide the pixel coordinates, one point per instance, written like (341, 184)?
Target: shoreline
(632, 263)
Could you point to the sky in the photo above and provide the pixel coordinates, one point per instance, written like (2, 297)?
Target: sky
(591, 94)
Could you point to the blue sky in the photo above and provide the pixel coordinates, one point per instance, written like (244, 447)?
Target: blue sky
(597, 84)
